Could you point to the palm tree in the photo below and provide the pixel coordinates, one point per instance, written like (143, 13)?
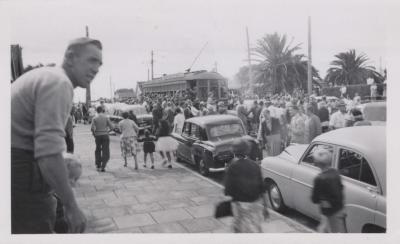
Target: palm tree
(350, 68)
(279, 68)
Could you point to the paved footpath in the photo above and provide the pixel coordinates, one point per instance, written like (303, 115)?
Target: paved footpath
(177, 200)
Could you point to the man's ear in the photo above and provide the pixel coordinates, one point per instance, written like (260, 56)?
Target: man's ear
(69, 58)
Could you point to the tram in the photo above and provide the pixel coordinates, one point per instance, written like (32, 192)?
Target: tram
(203, 84)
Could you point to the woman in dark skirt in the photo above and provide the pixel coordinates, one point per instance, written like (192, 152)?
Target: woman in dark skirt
(165, 143)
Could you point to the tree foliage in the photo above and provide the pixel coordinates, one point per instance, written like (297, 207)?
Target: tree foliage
(350, 69)
(279, 68)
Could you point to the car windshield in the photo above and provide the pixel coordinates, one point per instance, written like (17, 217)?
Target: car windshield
(139, 110)
(226, 130)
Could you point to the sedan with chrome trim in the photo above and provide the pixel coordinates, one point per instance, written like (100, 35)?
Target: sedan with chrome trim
(359, 154)
(206, 142)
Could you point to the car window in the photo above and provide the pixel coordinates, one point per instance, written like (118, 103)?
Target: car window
(355, 166)
(203, 134)
(195, 132)
(309, 158)
(219, 131)
(186, 129)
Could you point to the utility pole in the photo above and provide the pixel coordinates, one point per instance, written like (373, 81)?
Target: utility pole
(88, 97)
(309, 63)
(152, 65)
(148, 74)
(216, 66)
(249, 59)
(111, 90)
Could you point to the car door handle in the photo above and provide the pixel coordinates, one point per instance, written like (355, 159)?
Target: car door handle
(372, 191)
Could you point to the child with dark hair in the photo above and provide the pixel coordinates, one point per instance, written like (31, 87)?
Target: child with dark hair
(148, 147)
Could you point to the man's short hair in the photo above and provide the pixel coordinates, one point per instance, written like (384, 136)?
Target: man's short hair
(76, 45)
(125, 115)
(99, 109)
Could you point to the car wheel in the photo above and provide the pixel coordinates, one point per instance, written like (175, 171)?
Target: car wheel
(275, 197)
(202, 166)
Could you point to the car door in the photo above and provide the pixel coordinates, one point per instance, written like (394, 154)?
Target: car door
(360, 189)
(302, 179)
(185, 147)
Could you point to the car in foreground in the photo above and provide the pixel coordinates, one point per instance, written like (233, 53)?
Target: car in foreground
(359, 154)
(206, 142)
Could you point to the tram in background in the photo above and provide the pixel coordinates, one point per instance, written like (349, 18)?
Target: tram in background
(203, 84)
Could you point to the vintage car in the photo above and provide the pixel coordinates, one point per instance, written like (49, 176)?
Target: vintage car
(206, 142)
(144, 119)
(359, 154)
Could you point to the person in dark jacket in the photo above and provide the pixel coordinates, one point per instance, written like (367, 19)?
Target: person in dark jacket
(323, 114)
(157, 113)
(328, 193)
(243, 182)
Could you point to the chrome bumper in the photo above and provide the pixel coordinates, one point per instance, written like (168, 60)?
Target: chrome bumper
(213, 170)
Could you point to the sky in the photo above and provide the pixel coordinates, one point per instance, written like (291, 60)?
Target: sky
(177, 30)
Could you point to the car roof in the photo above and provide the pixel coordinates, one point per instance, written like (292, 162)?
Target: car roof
(214, 119)
(368, 140)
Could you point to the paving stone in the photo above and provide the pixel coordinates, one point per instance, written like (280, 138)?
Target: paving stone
(100, 194)
(176, 203)
(128, 230)
(184, 186)
(170, 215)
(110, 212)
(121, 201)
(202, 200)
(201, 225)
(210, 191)
(164, 228)
(277, 226)
(100, 223)
(201, 211)
(190, 179)
(155, 197)
(134, 220)
(144, 208)
(181, 194)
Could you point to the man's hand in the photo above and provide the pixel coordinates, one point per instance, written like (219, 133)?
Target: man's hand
(76, 220)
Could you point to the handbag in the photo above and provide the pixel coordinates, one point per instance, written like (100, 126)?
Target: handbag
(223, 209)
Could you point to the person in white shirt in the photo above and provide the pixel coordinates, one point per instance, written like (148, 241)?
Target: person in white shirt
(338, 119)
(179, 119)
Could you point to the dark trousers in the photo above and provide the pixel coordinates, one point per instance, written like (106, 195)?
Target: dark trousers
(102, 153)
(70, 144)
(33, 207)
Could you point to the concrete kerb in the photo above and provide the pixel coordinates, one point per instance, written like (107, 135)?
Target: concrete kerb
(222, 187)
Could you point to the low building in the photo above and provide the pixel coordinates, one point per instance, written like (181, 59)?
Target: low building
(124, 94)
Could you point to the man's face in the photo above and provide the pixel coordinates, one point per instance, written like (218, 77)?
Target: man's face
(85, 65)
(342, 109)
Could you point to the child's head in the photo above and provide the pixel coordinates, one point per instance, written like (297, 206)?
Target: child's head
(146, 133)
(74, 168)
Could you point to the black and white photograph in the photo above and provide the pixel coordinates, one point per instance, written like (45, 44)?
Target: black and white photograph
(208, 119)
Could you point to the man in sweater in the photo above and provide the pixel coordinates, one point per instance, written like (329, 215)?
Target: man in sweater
(101, 125)
(328, 193)
(41, 101)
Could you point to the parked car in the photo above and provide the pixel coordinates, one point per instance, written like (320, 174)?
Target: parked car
(206, 141)
(359, 154)
(374, 112)
(144, 119)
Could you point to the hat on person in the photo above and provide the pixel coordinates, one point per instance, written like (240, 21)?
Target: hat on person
(322, 156)
(239, 146)
(341, 103)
